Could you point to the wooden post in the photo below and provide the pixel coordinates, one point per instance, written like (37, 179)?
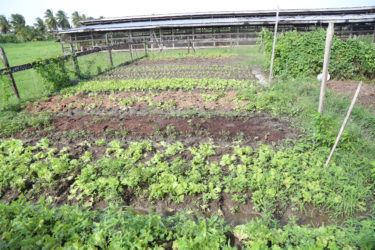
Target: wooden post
(74, 58)
(173, 38)
(273, 47)
(92, 40)
(135, 50)
(327, 54)
(192, 46)
(11, 78)
(109, 49)
(62, 47)
(131, 51)
(238, 36)
(146, 45)
(75, 39)
(344, 123)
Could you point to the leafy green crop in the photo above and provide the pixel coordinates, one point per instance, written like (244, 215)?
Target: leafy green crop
(160, 84)
(258, 235)
(23, 225)
(299, 54)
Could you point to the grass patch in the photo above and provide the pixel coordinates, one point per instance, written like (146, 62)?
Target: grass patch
(21, 53)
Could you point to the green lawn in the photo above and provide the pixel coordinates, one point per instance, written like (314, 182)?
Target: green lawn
(21, 53)
(29, 82)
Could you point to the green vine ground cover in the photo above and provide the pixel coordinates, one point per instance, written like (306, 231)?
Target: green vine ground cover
(273, 178)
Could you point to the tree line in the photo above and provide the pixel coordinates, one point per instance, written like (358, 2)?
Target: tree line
(15, 29)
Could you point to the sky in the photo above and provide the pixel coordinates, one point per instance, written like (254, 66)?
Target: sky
(32, 9)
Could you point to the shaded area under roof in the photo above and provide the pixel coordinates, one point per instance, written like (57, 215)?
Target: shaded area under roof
(258, 20)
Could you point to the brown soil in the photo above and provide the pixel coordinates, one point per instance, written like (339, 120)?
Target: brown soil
(366, 96)
(104, 102)
(261, 126)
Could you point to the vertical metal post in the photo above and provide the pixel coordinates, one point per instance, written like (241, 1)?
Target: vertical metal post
(273, 47)
(11, 78)
(327, 53)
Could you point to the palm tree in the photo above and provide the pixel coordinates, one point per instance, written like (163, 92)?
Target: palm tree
(62, 20)
(50, 20)
(4, 24)
(18, 22)
(76, 18)
(40, 26)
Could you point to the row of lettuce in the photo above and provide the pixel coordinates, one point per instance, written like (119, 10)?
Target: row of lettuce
(24, 225)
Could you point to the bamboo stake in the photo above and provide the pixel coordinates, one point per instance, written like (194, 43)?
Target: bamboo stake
(274, 45)
(327, 54)
(344, 123)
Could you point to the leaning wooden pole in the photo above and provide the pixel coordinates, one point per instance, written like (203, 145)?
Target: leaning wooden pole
(274, 45)
(11, 78)
(327, 54)
(344, 123)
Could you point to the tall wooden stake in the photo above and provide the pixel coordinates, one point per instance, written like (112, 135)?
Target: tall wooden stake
(274, 45)
(11, 78)
(109, 50)
(327, 53)
(344, 123)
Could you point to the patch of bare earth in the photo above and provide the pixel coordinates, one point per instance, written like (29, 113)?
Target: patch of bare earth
(366, 96)
(132, 99)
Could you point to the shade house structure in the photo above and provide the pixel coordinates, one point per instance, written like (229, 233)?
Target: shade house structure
(211, 29)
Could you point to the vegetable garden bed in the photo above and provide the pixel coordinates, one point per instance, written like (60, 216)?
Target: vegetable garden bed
(200, 162)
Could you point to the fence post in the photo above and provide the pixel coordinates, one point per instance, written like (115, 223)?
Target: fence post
(74, 58)
(6, 65)
(131, 51)
(146, 45)
(273, 47)
(109, 50)
(327, 54)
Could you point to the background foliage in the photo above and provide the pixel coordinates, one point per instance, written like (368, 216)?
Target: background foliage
(299, 54)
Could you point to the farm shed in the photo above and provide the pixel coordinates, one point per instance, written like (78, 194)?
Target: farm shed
(207, 29)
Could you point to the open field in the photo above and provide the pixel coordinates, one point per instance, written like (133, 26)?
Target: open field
(30, 83)
(187, 152)
(21, 53)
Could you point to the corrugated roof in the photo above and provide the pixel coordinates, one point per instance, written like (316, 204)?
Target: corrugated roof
(223, 14)
(305, 19)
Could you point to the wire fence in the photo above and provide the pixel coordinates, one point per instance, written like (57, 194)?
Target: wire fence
(90, 63)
